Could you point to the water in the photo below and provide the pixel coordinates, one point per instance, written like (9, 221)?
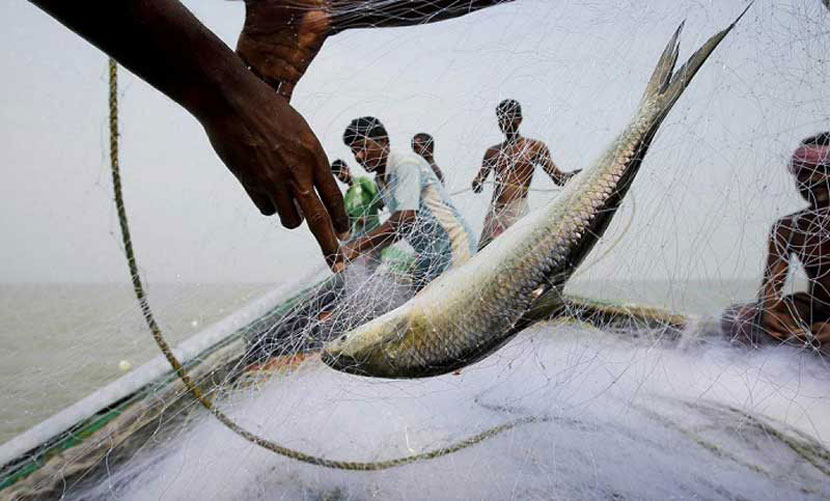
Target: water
(61, 342)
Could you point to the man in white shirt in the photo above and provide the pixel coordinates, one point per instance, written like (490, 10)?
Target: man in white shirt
(421, 211)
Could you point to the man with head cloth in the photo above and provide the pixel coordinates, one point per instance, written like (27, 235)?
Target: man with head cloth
(802, 317)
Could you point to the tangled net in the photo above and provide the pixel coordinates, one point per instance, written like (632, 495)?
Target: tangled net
(585, 391)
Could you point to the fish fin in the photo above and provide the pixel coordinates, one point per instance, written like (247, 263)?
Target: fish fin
(663, 90)
(661, 77)
(681, 78)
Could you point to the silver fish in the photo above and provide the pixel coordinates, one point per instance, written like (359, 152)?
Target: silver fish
(472, 310)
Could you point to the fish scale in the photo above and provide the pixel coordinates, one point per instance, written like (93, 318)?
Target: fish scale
(470, 311)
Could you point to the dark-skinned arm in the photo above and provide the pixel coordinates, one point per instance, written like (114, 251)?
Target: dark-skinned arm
(775, 276)
(544, 159)
(486, 167)
(280, 39)
(386, 234)
(267, 145)
(437, 171)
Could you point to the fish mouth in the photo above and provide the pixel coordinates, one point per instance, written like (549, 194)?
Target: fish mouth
(367, 363)
(338, 360)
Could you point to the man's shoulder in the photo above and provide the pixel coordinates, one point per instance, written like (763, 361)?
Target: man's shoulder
(793, 223)
(803, 220)
(404, 157)
(495, 149)
(536, 144)
(493, 152)
(405, 160)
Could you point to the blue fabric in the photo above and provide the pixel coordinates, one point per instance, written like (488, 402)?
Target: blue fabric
(410, 184)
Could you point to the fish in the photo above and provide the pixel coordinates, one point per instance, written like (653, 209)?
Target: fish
(470, 311)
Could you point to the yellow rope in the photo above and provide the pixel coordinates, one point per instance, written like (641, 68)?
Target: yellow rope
(188, 382)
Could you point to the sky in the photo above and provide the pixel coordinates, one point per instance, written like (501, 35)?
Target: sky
(701, 207)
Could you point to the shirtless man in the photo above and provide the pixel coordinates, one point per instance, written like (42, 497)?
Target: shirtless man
(262, 140)
(424, 146)
(802, 317)
(514, 161)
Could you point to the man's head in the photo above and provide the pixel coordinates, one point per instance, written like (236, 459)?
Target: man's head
(810, 164)
(341, 171)
(369, 142)
(423, 144)
(509, 113)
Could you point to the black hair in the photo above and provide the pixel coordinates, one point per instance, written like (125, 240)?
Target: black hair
(338, 165)
(369, 127)
(820, 139)
(509, 107)
(426, 138)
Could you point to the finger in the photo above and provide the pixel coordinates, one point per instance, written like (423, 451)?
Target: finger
(332, 198)
(284, 201)
(285, 88)
(261, 200)
(319, 223)
(339, 262)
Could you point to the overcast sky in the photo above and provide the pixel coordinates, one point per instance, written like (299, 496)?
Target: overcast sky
(712, 184)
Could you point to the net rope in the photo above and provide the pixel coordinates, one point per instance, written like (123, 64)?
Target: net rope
(651, 239)
(197, 393)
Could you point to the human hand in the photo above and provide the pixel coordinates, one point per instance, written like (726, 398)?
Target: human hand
(348, 252)
(272, 151)
(280, 39)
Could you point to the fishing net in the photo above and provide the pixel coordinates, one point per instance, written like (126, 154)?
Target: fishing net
(630, 389)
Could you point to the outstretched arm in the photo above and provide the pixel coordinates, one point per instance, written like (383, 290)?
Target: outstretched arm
(437, 171)
(486, 167)
(281, 38)
(546, 161)
(160, 41)
(262, 140)
(775, 272)
(775, 276)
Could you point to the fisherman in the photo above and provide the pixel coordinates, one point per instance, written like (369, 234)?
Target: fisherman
(267, 145)
(424, 145)
(420, 209)
(802, 317)
(362, 200)
(513, 161)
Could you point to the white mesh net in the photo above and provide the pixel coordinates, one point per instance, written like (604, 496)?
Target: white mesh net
(632, 390)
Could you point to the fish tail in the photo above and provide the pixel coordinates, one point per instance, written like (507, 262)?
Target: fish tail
(661, 78)
(667, 85)
(662, 91)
